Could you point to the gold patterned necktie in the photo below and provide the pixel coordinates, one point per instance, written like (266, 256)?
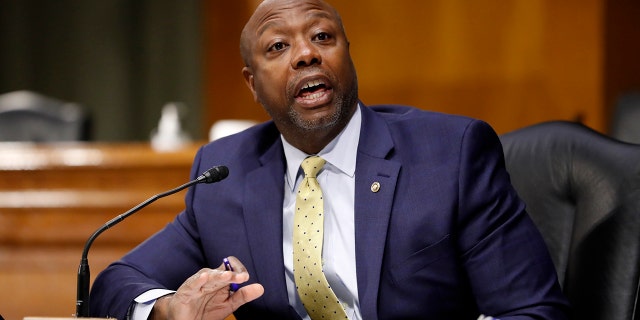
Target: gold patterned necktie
(308, 229)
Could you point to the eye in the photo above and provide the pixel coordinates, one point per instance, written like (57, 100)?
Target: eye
(278, 46)
(322, 36)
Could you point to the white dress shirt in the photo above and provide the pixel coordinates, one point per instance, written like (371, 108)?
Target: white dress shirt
(337, 181)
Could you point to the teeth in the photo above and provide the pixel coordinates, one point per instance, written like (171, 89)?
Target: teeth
(312, 84)
(313, 96)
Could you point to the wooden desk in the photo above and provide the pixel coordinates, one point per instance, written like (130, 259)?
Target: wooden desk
(53, 197)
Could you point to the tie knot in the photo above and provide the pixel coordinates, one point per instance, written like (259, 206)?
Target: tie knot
(312, 165)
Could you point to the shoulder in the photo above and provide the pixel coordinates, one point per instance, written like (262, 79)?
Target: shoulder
(251, 143)
(407, 120)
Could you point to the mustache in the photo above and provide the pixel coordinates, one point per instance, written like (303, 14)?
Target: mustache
(294, 84)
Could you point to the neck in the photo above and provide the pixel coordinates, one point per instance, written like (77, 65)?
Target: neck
(313, 141)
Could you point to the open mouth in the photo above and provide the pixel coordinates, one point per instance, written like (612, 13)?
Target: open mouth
(312, 90)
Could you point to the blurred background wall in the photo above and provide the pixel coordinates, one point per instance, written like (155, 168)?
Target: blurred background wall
(121, 59)
(510, 62)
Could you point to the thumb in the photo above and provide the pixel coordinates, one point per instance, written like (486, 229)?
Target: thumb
(246, 294)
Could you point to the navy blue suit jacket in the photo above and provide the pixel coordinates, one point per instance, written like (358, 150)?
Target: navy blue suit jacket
(445, 237)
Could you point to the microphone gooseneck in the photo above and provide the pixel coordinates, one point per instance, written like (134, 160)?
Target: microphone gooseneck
(212, 175)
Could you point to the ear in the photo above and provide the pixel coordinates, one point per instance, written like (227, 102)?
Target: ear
(248, 80)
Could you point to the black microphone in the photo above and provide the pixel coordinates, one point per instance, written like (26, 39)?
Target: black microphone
(212, 175)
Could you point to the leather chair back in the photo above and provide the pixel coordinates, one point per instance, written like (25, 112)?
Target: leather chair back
(29, 116)
(625, 125)
(582, 189)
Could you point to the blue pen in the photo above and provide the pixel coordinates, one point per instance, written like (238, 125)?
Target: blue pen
(227, 266)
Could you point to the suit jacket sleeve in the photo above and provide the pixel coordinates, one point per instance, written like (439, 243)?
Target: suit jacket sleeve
(150, 265)
(510, 271)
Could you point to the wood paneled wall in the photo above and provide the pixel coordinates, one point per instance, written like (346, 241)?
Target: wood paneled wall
(512, 63)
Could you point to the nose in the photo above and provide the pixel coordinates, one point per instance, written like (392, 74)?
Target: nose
(305, 54)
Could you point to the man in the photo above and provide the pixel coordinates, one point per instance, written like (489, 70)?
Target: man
(420, 219)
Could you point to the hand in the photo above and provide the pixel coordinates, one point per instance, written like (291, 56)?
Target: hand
(206, 295)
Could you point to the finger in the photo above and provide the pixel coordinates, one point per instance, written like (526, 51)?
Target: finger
(215, 279)
(233, 264)
(246, 294)
(237, 265)
(204, 281)
(195, 281)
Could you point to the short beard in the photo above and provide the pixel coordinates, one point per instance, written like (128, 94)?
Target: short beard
(344, 109)
(316, 124)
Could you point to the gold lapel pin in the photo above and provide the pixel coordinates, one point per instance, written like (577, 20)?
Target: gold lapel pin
(375, 187)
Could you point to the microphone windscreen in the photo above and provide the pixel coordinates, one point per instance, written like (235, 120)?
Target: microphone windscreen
(215, 174)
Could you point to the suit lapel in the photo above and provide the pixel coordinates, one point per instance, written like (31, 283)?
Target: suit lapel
(263, 218)
(376, 179)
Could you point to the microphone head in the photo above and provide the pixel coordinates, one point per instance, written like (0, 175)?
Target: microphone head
(214, 174)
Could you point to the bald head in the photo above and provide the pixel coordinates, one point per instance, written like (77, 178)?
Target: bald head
(265, 9)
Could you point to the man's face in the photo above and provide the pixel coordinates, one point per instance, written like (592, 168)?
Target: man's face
(299, 67)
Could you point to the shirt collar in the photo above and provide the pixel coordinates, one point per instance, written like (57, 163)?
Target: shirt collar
(339, 153)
